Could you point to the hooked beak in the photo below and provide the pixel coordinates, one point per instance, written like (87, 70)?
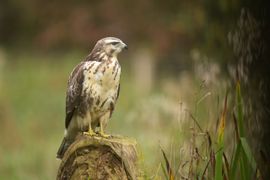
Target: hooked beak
(124, 46)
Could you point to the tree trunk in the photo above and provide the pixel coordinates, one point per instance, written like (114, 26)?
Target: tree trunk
(93, 157)
(251, 45)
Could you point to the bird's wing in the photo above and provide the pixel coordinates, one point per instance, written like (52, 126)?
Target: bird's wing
(74, 90)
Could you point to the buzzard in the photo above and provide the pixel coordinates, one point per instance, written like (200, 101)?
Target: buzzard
(92, 92)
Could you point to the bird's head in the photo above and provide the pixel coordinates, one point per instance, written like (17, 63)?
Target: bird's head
(111, 46)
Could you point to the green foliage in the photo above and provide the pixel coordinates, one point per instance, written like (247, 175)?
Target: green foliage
(242, 159)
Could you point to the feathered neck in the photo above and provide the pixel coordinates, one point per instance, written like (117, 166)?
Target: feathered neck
(99, 55)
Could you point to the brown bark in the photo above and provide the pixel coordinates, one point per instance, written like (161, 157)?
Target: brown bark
(99, 158)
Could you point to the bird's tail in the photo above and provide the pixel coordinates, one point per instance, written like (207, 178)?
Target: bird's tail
(62, 149)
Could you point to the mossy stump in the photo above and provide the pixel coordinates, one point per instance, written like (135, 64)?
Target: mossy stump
(94, 157)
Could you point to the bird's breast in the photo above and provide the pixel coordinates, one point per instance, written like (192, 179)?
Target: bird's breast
(101, 83)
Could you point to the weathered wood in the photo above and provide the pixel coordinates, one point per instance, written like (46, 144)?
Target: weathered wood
(94, 157)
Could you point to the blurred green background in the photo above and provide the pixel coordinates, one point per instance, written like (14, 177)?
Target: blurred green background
(176, 65)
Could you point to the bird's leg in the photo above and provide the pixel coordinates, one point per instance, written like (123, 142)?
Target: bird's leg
(103, 122)
(90, 131)
(101, 132)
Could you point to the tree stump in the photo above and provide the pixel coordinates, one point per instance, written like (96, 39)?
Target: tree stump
(94, 157)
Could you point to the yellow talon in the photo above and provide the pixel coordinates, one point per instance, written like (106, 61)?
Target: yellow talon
(101, 132)
(90, 132)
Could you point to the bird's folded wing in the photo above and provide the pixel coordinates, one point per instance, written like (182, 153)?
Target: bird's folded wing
(74, 90)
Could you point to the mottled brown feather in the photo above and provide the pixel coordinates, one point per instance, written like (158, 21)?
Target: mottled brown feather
(73, 94)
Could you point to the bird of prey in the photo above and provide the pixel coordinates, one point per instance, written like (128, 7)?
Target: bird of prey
(92, 92)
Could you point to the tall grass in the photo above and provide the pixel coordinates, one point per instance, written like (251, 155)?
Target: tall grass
(242, 158)
(211, 161)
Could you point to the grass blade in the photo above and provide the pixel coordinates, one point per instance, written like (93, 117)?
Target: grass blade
(236, 128)
(168, 166)
(164, 171)
(204, 171)
(235, 160)
(221, 127)
(247, 152)
(239, 110)
(218, 168)
(247, 162)
(213, 161)
(227, 168)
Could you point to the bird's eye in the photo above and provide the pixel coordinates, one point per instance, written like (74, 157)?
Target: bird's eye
(114, 43)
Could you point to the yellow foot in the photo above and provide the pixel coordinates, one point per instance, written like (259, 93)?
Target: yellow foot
(102, 134)
(90, 132)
